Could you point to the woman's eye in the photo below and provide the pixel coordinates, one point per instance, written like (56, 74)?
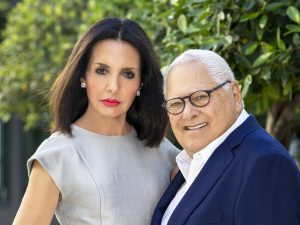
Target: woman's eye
(101, 71)
(128, 74)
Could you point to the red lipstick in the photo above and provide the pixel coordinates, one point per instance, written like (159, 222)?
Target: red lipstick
(110, 102)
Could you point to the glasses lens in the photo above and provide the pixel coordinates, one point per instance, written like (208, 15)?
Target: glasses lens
(199, 98)
(175, 105)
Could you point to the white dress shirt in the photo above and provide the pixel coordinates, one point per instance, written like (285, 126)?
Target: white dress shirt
(191, 167)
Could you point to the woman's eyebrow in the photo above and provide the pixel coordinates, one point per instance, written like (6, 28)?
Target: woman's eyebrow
(102, 64)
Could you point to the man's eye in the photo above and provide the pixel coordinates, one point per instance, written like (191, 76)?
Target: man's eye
(176, 104)
(200, 97)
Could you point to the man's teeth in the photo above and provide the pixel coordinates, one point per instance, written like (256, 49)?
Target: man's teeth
(196, 127)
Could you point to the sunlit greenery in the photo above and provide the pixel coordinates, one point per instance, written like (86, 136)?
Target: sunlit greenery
(259, 39)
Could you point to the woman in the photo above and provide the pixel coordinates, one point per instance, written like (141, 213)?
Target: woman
(107, 161)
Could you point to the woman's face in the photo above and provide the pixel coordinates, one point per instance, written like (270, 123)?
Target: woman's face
(113, 78)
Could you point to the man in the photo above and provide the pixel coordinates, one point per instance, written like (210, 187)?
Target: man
(232, 172)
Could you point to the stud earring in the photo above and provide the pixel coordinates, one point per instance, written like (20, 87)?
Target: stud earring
(138, 93)
(83, 85)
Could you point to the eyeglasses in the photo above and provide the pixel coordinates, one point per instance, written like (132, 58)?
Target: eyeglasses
(199, 98)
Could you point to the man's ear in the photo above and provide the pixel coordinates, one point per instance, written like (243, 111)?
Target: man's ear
(236, 90)
(237, 94)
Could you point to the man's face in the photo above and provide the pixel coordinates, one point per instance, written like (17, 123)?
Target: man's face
(196, 127)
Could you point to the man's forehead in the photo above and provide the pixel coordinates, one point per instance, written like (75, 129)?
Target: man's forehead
(189, 72)
(191, 63)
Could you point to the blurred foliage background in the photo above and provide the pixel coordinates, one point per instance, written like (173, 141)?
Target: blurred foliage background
(259, 39)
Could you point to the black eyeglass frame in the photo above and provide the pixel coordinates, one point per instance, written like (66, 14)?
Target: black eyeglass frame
(208, 92)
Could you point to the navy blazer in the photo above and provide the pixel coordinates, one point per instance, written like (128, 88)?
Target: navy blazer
(250, 179)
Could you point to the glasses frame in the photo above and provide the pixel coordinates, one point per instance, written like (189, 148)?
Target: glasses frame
(190, 99)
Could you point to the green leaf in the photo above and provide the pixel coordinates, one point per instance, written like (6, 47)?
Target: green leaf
(296, 39)
(286, 60)
(241, 59)
(248, 5)
(174, 2)
(221, 16)
(287, 88)
(187, 42)
(259, 33)
(263, 21)
(228, 39)
(191, 29)
(182, 23)
(272, 92)
(209, 43)
(262, 59)
(199, 1)
(246, 84)
(293, 14)
(280, 43)
(251, 48)
(274, 6)
(283, 57)
(249, 16)
(203, 15)
(266, 73)
(266, 47)
(4, 6)
(292, 29)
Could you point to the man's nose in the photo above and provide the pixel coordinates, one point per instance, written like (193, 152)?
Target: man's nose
(189, 110)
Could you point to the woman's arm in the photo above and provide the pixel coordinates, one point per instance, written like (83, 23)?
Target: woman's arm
(40, 199)
(174, 172)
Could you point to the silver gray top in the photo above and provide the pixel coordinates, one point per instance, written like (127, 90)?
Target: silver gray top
(105, 180)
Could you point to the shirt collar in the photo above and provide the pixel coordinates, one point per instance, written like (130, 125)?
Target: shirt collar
(183, 160)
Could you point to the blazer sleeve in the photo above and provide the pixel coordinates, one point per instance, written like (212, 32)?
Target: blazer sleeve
(271, 192)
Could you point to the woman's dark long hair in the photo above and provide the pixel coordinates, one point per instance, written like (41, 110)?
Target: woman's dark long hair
(68, 101)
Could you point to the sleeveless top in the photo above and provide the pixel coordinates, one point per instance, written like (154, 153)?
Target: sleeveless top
(105, 180)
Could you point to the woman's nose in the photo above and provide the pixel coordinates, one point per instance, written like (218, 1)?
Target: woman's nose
(113, 83)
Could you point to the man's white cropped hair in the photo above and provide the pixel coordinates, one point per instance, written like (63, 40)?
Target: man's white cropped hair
(216, 66)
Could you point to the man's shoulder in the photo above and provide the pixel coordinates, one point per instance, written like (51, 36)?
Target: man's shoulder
(260, 143)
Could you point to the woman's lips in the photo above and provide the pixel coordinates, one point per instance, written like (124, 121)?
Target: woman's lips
(110, 102)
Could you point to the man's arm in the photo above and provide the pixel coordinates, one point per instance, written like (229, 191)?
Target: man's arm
(271, 193)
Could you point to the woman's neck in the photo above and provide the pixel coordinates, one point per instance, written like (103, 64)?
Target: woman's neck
(104, 126)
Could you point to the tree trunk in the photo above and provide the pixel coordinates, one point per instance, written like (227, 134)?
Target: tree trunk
(281, 120)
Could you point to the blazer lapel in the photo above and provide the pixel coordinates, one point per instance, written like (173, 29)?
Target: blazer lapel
(205, 180)
(211, 172)
(167, 198)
